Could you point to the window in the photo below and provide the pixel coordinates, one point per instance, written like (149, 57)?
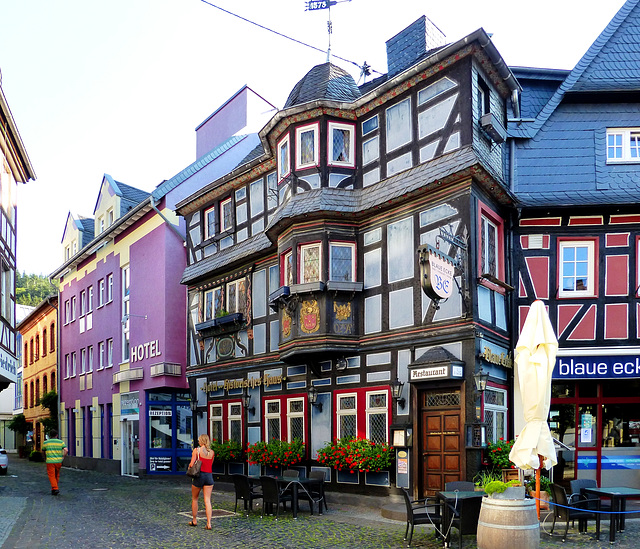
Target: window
(101, 292)
(370, 125)
(272, 191)
(577, 271)
(215, 423)
(272, 420)
(101, 356)
(101, 225)
(483, 98)
(284, 163)
(257, 197)
(83, 361)
(209, 222)
(90, 358)
(488, 247)
(307, 146)
(235, 421)
(31, 353)
(623, 145)
(110, 217)
(73, 308)
(237, 296)
(341, 265)
(274, 278)
(398, 125)
(90, 299)
(213, 303)
(341, 144)
(109, 353)
(67, 311)
(400, 250)
(125, 313)
(295, 419)
(377, 416)
(287, 268)
(310, 264)
(37, 350)
(347, 419)
(226, 215)
(26, 354)
(67, 363)
(109, 288)
(495, 414)
(83, 302)
(73, 364)
(370, 150)
(44, 342)
(52, 335)
(44, 385)
(6, 292)
(26, 395)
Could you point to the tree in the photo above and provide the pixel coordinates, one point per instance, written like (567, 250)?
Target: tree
(50, 402)
(19, 424)
(32, 289)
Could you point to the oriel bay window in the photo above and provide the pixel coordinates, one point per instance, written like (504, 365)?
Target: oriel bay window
(310, 263)
(490, 243)
(341, 261)
(307, 146)
(341, 144)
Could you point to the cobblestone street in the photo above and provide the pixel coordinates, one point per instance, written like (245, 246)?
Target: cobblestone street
(109, 511)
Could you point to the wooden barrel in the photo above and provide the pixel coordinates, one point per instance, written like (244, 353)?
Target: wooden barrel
(508, 524)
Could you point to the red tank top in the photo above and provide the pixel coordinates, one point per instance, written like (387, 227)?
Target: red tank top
(207, 464)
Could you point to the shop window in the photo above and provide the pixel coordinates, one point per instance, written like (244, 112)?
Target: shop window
(215, 423)
(272, 420)
(307, 146)
(623, 145)
(400, 250)
(209, 222)
(347, 423)
(341, 144)
(399, 126)
(341, 262)
(284, 163)
(577, 268)
(226, 215)
(377, 416)
(160, 425)
(310, 263)
(495, 414)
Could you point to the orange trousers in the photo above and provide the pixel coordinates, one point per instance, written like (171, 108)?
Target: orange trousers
(53, 471)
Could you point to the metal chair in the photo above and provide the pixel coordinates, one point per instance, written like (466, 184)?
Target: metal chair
(319, 475)
(461, 485)
(291, 473)
(564, 511)
(314, 493)
(464, 516)
(272, 495)
(244, 491)
(421, 511)
(576, 486)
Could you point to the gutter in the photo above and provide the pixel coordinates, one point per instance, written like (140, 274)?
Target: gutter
(152, 201)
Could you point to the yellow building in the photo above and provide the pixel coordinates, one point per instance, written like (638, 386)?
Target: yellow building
(39, 372)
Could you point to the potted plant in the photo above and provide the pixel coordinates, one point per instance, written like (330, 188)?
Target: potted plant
(276, 453)
(497, 489)
(227, 450)
(545, 490)
(498, 458)
(356, 454)
(485, 477)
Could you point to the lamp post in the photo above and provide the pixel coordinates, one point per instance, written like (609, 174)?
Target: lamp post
(477, 431)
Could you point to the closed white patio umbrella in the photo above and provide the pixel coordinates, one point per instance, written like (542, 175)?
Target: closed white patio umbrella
(535, 358)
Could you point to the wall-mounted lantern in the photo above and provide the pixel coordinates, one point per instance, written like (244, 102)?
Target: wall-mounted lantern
(396, 392)
(246, 402)
(312, 393)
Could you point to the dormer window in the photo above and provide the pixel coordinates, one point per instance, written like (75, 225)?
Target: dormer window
(307, 146)
(341, 144)
(623, 145)
(110, 218)
(284, 163)
(226, 215)
(209, 222)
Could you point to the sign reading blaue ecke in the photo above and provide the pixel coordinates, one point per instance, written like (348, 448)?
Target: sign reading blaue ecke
(598, 367)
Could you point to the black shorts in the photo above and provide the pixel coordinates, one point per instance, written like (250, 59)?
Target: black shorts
(204, 479)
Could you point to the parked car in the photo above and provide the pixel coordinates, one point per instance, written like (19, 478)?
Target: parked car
(4, 461)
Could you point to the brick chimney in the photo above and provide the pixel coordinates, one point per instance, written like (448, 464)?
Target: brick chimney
(406, 47)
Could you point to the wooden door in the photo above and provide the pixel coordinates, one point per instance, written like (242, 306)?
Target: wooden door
(441, 440)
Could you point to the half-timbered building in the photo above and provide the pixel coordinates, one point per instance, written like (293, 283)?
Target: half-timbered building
(306, 263)
(577, 243)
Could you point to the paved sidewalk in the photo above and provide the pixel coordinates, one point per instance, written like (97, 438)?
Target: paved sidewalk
(110, 511)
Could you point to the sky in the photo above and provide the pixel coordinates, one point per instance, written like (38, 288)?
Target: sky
(119, 87)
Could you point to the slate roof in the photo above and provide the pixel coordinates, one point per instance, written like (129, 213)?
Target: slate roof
(87, 228)
(610, 64)
(327, 82)
(538, 85)
(131, 193)
(435, 355)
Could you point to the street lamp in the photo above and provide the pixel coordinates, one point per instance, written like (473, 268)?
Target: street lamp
(396, 392)
(246, 402)
(312, 392)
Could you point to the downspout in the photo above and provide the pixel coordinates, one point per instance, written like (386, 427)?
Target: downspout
(171, 225)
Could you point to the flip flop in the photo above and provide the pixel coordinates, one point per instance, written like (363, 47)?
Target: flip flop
(193, 523)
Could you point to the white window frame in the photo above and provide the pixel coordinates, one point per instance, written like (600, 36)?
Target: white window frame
(216, 418)
(625, 147)
(315, 129)
(351, 129)
(369, 411)
(90, 359)
(272, 415)
(284, 164)
(301, 254)
(83, 361)
(109, 288)
(496, 409)
(101, 224)
(227, 203)
(233, 418)
(73, 307)
(233, 307)
(291, 415)
(352, 247)
(209, 228)
(393, 147)
(589, 291)
(126, 290)
(288, 269)
(90, 299)
(101, 294)
(110, 217)
(109, 353)
(67, 362)
(339, 413)
(83, 302)
(74, 362)
(67, 312)
(101, 356)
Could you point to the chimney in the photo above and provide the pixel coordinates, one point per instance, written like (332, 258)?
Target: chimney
(406, 47)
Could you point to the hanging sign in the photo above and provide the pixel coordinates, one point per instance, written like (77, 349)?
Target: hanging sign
(436, 273)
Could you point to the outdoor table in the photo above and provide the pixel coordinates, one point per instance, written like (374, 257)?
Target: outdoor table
(294, 483)
(618, 496)
(451, 498)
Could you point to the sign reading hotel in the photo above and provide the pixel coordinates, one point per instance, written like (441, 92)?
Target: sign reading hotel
(229, 384)
(149, 349)
(599, 367)
(436, 273)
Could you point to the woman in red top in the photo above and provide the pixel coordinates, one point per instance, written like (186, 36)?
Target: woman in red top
(204, 481)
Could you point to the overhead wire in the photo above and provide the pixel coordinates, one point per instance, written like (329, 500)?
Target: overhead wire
(365, 69)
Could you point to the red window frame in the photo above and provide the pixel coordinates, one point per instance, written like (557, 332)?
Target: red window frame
(485, 211)
(361, 408)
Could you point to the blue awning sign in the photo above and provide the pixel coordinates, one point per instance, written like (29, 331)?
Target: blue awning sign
(600, 367)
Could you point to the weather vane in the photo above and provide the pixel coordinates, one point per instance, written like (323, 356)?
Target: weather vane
(313, 5)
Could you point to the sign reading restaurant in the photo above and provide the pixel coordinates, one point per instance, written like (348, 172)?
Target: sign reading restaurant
(597, 367)
(230, 384)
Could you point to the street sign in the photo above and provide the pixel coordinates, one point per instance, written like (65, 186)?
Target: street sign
(320, 4)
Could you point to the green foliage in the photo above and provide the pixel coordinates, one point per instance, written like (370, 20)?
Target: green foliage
(276, 453)
(498, 454)
(485, 477)
(227, 450)
(356, 454)
(19, 424)
(545, 484)
(36, 455)
(495, 487)
(50, 402)
(32, 289)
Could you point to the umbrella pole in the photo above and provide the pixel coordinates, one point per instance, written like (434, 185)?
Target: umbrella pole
(538, 473)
